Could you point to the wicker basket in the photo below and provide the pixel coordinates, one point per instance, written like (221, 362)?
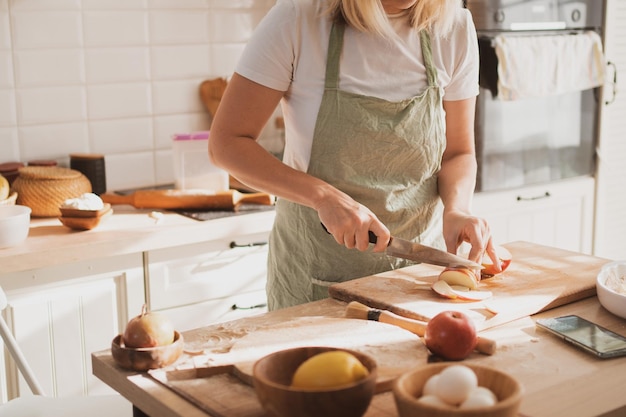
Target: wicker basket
(44, 189)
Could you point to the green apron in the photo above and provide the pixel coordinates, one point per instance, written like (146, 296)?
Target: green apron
(385, 155)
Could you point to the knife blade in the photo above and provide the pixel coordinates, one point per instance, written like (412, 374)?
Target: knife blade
(405, 249)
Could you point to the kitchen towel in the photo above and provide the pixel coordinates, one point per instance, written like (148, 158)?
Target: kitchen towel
(541, 65)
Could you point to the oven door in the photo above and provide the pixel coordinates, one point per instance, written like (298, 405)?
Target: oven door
(530, 141)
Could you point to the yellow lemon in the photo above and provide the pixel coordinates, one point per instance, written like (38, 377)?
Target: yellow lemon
(329, 370)
(4, 188)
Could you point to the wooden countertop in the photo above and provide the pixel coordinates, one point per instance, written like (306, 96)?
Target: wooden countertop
(127, 231)
(559, 380)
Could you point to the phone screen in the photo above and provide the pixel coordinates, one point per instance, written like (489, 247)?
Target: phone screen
(587, 335)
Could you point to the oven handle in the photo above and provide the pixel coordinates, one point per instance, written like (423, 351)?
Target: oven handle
(614, 82)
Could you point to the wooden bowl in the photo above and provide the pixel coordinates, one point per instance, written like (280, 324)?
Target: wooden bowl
(142, 359)
(88, 220)
(408, 388)
(72, 212)
(272, 378)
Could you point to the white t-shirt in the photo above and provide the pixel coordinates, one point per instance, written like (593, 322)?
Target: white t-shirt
(288, 53)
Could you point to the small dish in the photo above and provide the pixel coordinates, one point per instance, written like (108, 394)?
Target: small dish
(86, 223)
(72, 212)
(143, 359)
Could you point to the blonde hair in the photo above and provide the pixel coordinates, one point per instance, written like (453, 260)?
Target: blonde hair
(436, 16)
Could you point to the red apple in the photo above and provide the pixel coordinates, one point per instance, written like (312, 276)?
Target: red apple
(451, 335)
(149, 329)
(460, 276)
(489, 269)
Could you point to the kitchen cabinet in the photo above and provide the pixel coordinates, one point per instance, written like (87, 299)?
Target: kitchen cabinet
(200, 284)
(610, 221)
(70, 293)
(61, 314)
(558, 214)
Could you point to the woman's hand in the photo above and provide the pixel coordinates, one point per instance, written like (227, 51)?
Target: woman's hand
(459, 227)
(350, 222)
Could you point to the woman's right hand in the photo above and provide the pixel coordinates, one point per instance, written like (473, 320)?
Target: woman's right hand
(350, 223)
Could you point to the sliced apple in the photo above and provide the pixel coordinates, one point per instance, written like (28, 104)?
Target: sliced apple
(444, 289)
(459, 292)
(460, 276)
(505, 260)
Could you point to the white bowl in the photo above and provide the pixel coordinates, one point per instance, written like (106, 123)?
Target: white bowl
(14, 225)
(610, 299)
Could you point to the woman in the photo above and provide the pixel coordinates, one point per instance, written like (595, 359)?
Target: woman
(378, 99)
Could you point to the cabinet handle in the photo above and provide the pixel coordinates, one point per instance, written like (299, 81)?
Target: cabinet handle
(614, 83)
(537, 197)
(234, 244)
(236, 307)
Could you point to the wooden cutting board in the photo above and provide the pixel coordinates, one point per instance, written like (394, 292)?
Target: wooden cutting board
(539, 278)
(394, 349)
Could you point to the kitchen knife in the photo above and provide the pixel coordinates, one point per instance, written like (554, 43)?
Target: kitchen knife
(401, 248)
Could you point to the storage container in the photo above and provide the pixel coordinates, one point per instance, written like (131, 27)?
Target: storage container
(192, 167)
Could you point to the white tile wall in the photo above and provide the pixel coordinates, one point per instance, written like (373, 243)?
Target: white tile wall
(116, 77)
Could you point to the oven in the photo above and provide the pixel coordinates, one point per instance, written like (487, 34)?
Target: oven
(542, 137)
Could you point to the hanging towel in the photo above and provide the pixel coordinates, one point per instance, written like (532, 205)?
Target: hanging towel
(542, 65)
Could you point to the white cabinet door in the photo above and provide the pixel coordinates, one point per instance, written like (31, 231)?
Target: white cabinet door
(58, 325)
(610, 222)
(199, 284)
(558, 214)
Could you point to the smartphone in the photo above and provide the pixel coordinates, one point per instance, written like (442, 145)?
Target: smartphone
(586, 335)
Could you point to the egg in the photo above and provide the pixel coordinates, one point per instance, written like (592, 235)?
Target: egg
(479, 397)
(430, 387)
(433, 400)
(455, 384)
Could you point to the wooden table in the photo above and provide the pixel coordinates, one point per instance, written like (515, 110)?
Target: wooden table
(559, 380)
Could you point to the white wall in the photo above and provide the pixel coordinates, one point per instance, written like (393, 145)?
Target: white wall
(114, 77)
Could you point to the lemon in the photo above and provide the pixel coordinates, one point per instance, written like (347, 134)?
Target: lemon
(4, 188)
(329, 370)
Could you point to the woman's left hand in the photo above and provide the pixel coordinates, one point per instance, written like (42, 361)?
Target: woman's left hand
(459, 227)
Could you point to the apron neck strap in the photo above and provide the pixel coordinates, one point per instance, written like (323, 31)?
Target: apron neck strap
(427, 55)
(335, 45)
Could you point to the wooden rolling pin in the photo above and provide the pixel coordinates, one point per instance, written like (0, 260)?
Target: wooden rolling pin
(188, 199)
(356, 310)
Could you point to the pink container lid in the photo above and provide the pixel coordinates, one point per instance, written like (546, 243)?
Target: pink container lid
(201, 135)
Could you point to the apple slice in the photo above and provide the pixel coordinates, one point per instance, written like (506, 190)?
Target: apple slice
(505, 260)
(460, 276)
(444, 289)
(459, 292)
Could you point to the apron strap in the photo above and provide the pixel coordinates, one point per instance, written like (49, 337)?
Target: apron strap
(335, 45)
(427, 55)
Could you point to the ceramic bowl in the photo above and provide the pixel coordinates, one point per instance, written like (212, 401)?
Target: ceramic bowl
(272, 378)
(408, 388)
(143, 359)
(14, 224)
(610, 283)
